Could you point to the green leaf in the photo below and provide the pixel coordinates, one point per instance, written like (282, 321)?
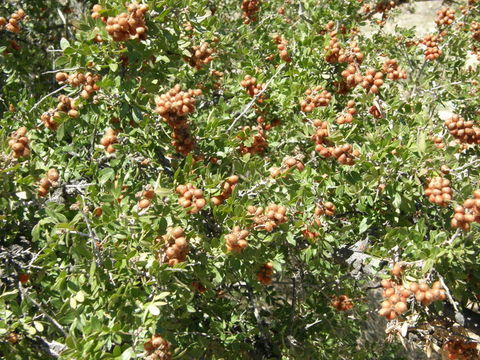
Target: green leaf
(64, 44)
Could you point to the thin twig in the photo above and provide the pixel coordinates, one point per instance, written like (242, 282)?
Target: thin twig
(447, 292)
(25, 294)
(250, 104)
(46, 96)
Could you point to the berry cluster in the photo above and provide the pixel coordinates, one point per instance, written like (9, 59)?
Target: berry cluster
(393, 71)
(201, 55)
(19, 143)
(47, 181)
(348, 117)
(273, 216)
(173, 107)
(264, 275)
(438, 142)
(468, 213)
(439, 191)
(315, 98)
(250, 84)
(227, 189)
(87, 81)
(157, 348)
(475, 29)
(65, 105)
(342, 303)
(396, 299)
(445, 17)
(432, 50)
(146, 197)
(250, 9)
(426, 295)
(344, 154)
(258, 140)
(237, 240)
(328, 208)
(288, 163)
(308, 233)
(96, 12)
(464, 131)
(375, 112)
(352, 78)
(108, 140)
(190, 196)
(13, 23)
(175, 245)
(460, 349)
(198, 286)
(334, 53)
(372, 81)
(321, 133)
(129, 25)
(282, 47)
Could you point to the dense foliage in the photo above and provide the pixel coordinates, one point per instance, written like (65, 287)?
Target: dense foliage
(235, 180)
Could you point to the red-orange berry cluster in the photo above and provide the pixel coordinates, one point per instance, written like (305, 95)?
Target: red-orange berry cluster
(475, 29)
(352, 77)
(328, 208)
(344, 154)
(464, 131)
(65, 105)
(425, 294)
(468, 213)
(258, 140)
(146, 197)
(173, 107)
(227, 189)
(201, 55)
(393, 71)
(47, 182)
(264, 275)
(96, 12)
(308, 232)
(88, 82)
(282, 47)
(19, 143)
(108, 139)
(349, 112)
(157, 348)
(250, 84)
(375, 112)
(315, 98)
(438, 142)
(250, 9)
(396, 299)
(129, 25)
(198, 286)
(372, 81)
(175, 248)
(13, 23)
(432, 50)
(288, 163)
(445, 17)
(237, 240)
(190, 197)
(342, 303)
(273, 216)
(439, 191)
(460, 349)
(321, 133)
(334, 53)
